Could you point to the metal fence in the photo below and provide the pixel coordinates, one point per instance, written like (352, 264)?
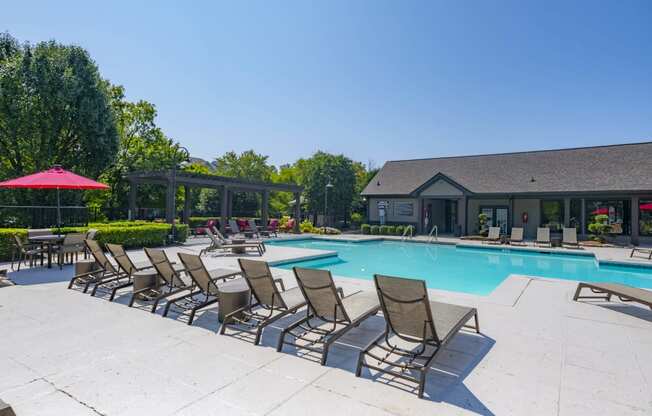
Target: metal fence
(32, 216)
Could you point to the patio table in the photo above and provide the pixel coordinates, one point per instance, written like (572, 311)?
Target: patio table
(233, 295)
(49, 240)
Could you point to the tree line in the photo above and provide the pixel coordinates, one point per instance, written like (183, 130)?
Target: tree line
(55, 108)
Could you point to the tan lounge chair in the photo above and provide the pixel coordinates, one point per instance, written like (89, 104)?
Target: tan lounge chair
(206, 284)
(270, 305)
(543, 237)
(569, 238)
(516, 238)
(412, 318)
(126, 266)
(171, 274)
(107, 275)
(327, 304)
(607, 290)
(493, 237)
(216, 244)
(647, 252)
(225, 240)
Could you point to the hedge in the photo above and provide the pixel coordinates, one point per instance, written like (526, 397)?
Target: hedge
(144, 234)
(365, 228)
(384, 229)
(375, 230)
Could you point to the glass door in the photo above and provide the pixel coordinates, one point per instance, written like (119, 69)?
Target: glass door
(497, 217)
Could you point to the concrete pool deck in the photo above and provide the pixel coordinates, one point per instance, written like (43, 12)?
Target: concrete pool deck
(540, 353)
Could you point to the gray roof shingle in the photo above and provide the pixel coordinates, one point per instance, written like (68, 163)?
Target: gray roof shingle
(626, 167)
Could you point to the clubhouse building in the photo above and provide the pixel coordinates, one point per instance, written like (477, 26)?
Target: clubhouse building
(549, 188)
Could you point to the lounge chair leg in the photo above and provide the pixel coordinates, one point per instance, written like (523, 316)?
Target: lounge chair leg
(167, 308)
(358, 370)
(422, 383)
(259, 333)
(477, 323)
(577, 292)
(192, 315)
(131, 301)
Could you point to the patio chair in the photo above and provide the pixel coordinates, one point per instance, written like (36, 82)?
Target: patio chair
(174, 282)
(216, 244)
(493, 237)
(225, 240)
(107, 274)
(251, 224)
(272, 302)
(606, 290)
(424, 326)
(272, 227)
(327, 304)
(25, 252)
(569, 238)
(72, 244)
(516, 239)
(646, 252)
(205, 285)
(543, 237)
(233, 225)
(126, 268)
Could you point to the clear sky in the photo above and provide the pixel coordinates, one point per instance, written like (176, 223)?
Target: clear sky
(375, 80)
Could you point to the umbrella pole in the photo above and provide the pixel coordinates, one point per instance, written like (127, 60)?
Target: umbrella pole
(58, 212)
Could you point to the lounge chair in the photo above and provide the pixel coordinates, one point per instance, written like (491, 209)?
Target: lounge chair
(516, 239)
(272, 227)
(414, 319)
(233, 225)
(251, 224)
(607, 290)
(327, 304)
(493, 237)
(225, 240)
(206, 284)
(270, 305)
(216, 244)
(126, 267)
(171, 274)
(543, 237)
(569, 238)
(647, 252)
(107, 274)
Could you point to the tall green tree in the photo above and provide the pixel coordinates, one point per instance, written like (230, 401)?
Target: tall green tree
(143, 146)
(323, 168)
(54, 109)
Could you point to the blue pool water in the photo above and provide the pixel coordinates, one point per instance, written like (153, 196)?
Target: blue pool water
(460, 269)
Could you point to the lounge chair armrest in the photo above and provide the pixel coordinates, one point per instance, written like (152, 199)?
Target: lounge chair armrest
(340, 292)
(279, 282)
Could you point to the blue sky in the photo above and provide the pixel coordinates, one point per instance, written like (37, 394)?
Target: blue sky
(375, 80)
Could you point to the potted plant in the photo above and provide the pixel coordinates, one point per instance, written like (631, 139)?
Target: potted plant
(483, 229)
(599, 228)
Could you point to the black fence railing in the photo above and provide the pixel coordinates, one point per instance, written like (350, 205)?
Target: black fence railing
(22, 216)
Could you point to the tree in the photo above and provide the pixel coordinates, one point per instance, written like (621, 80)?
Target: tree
(54, 109)
(339, 170)
(247, 165)
(143, 146)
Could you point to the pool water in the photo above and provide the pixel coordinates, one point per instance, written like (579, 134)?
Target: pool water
(460, 269)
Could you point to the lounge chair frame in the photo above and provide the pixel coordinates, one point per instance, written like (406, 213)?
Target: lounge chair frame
(493, 237)
(108, 275)
(516, 241)
(205, 286)
(126, 267)
(267, 308)
(338, 326)
(647, 251)
(543, 241)
(216, 244)
(606, 293)
(418, 359)
(170, 274)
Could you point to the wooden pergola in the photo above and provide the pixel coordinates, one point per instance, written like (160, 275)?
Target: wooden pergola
(172, 179)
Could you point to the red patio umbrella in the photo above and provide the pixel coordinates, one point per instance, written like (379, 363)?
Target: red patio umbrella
(645, 207)
(601, 211)
(54, 178)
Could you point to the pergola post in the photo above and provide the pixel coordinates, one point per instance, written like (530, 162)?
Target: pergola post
(224, 208)
(133, 193)
(264, 209)
(170, 201)
(186, 204)
(297, 212)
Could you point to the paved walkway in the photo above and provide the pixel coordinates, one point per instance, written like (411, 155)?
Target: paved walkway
(540, 353)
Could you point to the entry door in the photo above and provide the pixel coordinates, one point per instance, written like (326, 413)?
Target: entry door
(496, 217)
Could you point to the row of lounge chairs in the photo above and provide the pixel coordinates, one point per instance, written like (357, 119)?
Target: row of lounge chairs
(569, 237)
(329, 314)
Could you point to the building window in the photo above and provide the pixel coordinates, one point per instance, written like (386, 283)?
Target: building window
(645, 217)
(552, 214)
(617, 212)
(404, 209)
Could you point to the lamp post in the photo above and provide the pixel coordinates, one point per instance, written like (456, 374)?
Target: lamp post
(174, 185)
(328, 186)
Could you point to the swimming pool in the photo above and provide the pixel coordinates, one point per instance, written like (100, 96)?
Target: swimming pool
(460, 269)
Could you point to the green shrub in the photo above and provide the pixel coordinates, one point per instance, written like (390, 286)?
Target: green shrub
(306, 227)
(194, 222)
(365, 229)
(398, 230)
(383, 230)
(391, 230)
(375, 230)
(356, 218)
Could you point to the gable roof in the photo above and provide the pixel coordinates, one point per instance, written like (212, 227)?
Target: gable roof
(625, 167)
